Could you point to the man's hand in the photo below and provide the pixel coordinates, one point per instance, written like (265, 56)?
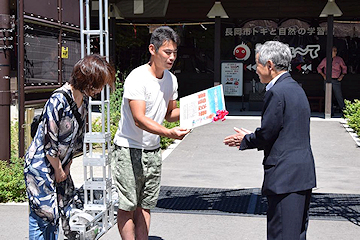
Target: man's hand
(323, 75)
(178, 133)
(236, 139)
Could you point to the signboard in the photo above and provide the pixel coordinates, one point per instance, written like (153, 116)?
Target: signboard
(232, 78)
(200, 108)
(64, 52)
(282, 31)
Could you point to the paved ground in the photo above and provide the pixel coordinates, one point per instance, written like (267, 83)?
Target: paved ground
(202, 161)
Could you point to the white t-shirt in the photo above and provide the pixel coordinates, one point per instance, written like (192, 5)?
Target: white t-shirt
(157, 93)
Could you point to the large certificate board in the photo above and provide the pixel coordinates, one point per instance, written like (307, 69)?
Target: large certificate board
(200, 108)
(232, 78)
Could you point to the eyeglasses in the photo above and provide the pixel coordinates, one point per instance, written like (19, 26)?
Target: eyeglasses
(96, 89)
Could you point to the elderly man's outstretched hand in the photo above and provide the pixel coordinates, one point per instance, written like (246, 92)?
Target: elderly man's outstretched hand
(235, 139)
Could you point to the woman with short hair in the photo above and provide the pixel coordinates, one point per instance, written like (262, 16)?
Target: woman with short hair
(59, 135)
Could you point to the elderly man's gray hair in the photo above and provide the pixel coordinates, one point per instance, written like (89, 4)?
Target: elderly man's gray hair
(278, 52)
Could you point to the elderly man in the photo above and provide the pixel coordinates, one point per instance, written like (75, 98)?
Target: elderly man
(284, 136)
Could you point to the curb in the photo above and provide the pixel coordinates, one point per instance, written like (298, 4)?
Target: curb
(169, 149)
(15, 204)
(350, 131)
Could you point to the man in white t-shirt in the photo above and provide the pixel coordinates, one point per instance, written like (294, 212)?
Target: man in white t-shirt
(150, 93)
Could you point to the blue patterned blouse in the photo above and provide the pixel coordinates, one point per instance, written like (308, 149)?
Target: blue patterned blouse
(58, 135)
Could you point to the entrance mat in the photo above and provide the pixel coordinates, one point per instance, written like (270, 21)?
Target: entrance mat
(251, 202)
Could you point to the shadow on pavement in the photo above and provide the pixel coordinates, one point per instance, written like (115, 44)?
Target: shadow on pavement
(155, 238)
(250, 201)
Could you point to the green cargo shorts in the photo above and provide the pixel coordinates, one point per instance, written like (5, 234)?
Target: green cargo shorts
(136, 174)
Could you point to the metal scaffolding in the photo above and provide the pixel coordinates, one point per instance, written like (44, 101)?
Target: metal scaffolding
(98, 202)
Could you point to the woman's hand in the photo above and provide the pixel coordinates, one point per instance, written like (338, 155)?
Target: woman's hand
(55, 162)
(60, 175)
(67, 168)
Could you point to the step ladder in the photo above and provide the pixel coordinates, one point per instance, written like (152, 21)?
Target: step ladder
(98, 199)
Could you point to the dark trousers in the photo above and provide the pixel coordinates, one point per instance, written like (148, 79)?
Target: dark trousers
(288, 215)
(337, 93)
(336, 87)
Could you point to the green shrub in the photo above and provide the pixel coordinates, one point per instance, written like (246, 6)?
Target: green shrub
(115, 103)
(115, 108)
(165, 141)
(352, 113)
(12, 184)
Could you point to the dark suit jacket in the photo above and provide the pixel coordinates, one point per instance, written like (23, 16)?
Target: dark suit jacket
(284, 136)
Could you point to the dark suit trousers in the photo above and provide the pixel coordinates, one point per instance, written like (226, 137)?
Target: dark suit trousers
(288, 215)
